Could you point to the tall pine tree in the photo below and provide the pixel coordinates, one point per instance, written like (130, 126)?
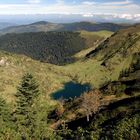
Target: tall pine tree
(6, 124)
(26, 95)
(4, 112)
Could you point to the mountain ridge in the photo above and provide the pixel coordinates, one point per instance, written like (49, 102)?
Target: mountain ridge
(76, 26)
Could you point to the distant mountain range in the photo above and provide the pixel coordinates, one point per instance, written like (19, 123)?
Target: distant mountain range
(6, 24)
(77, 26)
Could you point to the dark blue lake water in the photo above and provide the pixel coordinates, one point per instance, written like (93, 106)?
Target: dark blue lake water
(71, 90)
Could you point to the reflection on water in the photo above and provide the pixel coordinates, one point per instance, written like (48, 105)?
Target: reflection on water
(71, 90)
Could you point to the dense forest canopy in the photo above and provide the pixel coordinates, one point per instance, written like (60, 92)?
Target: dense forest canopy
(52, 47)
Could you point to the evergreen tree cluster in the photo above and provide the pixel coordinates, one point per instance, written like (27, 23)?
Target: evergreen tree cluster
(52, 47)
(28, 121)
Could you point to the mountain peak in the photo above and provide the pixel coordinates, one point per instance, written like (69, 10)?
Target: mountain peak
(40, 23)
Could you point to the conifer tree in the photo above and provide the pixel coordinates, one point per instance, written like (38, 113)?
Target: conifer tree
(24, 114)
(5, 119)
(4, 113)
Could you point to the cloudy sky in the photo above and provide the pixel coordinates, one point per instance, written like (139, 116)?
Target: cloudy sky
(127, 9)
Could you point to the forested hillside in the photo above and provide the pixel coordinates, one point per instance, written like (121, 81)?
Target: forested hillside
(52, 47)
(118, 115)
(94, 98)
(89, 26)
(112, 111)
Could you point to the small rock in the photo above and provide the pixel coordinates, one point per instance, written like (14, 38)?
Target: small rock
(3, 62)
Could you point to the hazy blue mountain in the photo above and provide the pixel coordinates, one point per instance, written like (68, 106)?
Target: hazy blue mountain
(6, 24)
(76, 26)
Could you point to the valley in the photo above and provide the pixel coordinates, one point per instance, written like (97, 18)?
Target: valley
(89, 82)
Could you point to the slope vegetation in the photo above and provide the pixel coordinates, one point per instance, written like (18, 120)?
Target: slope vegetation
(118, 51)
(52, 47)
(113, 67)
(12, 67)
(104, 65)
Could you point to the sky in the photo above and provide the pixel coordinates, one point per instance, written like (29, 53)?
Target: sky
(121, 9)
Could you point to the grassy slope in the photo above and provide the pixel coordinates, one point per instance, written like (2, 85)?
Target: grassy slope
(93, 39)
(50, 77)
(89, 71)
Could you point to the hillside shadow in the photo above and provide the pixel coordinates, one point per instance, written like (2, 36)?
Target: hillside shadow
(130, 106)
(71, 90)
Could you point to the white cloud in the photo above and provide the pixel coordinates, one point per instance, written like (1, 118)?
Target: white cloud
(34, 1)
(124, 9)
(87, 15)
(119, 2)
(88, 3)
(127, 16)
(114, 3)
(137, 15)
